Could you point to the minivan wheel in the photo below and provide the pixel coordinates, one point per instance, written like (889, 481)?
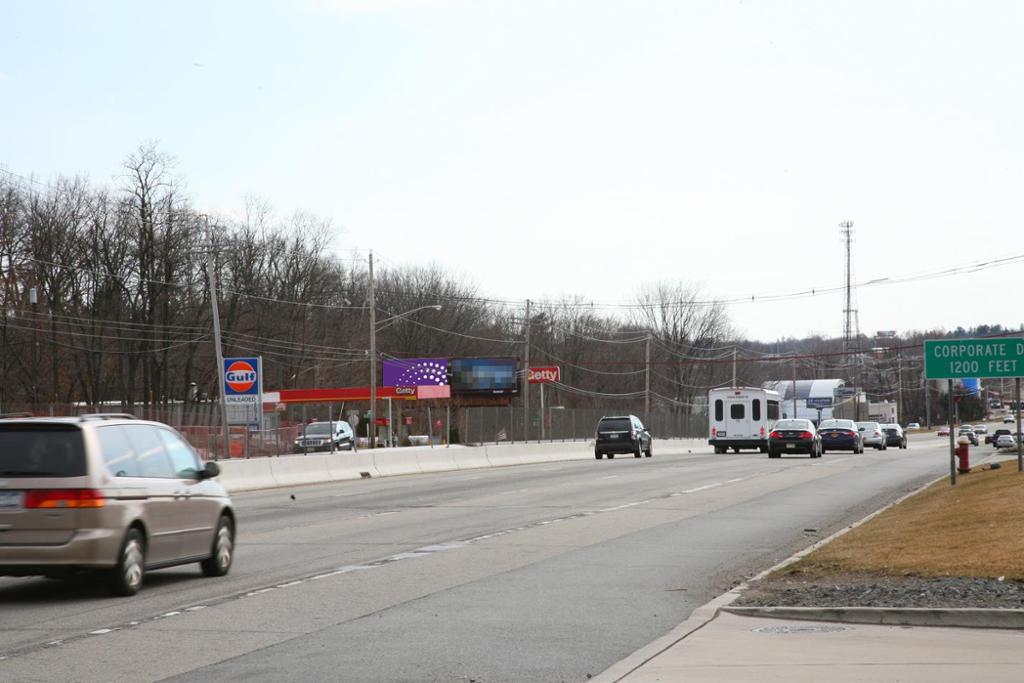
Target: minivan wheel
(125, 578)
(223, 550)
(597, 455)
(650, 449)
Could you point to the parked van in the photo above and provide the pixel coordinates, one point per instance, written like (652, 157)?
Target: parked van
(741, 417)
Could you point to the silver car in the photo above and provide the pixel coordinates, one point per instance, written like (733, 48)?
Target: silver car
(1005, 441)
(872, 434)
(108, 493)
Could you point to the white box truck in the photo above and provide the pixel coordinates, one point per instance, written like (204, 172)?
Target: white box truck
(741, 417)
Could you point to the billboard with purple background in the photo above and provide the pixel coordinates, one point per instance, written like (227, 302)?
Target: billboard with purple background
(412, 372)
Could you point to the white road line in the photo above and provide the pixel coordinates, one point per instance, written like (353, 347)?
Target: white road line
(417, 553)
(704, 488)
(610, 476)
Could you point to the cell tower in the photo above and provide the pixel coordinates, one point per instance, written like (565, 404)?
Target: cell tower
(850, 321)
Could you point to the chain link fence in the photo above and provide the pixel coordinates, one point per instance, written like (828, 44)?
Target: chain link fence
(407, 425)
(508, 425)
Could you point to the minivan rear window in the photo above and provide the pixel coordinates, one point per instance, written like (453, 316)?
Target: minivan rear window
(41, 451)
(620, 424)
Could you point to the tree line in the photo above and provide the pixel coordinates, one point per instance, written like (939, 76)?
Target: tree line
(105, 298)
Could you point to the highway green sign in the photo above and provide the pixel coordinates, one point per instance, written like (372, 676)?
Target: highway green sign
(973, 358)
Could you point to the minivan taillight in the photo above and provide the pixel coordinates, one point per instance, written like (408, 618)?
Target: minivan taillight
(64, 498)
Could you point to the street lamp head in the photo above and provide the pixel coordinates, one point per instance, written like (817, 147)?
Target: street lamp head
(436, 307)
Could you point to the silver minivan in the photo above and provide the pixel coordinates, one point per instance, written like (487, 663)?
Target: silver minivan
(108, 493)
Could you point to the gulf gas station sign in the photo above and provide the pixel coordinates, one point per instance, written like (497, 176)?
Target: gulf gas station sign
(242, 384)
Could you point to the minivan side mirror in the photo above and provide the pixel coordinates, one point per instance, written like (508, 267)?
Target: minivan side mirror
(209, 471)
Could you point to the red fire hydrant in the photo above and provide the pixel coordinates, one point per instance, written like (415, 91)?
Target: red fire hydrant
(963, 453)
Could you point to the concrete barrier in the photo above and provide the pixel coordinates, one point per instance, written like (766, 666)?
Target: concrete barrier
(349, 465)
(297, 470)
(438, 459)
(395, 461)
(246, 475)
(301, 469)
(470, 458)
(504, 455)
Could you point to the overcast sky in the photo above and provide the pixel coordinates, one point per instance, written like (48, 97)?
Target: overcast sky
(542, 149)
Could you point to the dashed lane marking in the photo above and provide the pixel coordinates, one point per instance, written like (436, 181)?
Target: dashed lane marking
(421, 552)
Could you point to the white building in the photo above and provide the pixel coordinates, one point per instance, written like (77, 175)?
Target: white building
(811, 395)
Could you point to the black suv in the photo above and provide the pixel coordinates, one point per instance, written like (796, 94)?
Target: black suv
(622, 434)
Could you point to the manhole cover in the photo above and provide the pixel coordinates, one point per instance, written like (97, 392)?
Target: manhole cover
(800, 629)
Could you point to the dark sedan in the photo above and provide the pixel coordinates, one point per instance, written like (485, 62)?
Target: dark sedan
(840, 435)
(794, 436)
(622, 434)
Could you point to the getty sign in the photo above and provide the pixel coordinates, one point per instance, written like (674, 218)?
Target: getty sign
(973, 358)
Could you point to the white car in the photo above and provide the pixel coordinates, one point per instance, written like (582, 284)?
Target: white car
(872, 434)
(1009, 419)
(912, 426)
(1006, 441)
(981, 429)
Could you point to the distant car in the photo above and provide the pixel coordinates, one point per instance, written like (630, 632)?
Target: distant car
(108, 494)
(794, 436)
(840, 435)
(981, 429)
(994, 436)
(970, 434)
(1009, 419)
(913, 426)
(1005, 441)
(622, 434)
(894, 435)
(316, 436)
(872, 434)
(943, 431)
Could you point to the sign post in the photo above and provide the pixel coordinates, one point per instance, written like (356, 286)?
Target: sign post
(951, 359)
(1017, 438)
(545, 375)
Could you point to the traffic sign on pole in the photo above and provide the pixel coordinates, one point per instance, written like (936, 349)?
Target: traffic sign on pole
(973, 358)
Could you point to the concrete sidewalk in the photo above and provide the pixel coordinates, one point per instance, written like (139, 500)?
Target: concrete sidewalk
(730, 647)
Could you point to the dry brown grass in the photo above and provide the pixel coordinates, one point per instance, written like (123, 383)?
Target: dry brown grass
(973, 529)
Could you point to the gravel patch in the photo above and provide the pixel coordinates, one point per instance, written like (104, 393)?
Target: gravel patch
(884, 591)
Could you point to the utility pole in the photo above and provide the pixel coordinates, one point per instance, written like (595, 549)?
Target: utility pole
(734, 367)
(526, 378)
(219, 375)
(647, 379)
(899, 387)
(927, 401)
(373, 360)
(33, 298)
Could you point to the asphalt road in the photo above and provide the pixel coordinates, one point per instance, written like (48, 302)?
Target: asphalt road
(545, 572)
